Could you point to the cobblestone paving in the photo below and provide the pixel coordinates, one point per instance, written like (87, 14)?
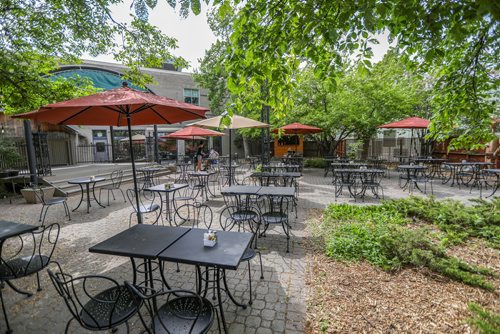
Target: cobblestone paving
(279, 299)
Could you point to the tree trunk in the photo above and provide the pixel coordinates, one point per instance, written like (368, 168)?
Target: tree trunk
(366, 146)
(246, 146)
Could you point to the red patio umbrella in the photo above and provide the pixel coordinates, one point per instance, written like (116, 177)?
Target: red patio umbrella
(193, 131)
(408, 123)
(118, 107)
(297, 129)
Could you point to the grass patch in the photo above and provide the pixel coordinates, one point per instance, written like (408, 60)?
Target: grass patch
(385, 236)
(458, 221)
(487, 322)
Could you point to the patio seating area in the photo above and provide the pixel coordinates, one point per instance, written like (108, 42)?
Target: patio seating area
(279, 299)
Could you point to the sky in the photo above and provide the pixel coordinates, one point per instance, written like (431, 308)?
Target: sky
(193, 33)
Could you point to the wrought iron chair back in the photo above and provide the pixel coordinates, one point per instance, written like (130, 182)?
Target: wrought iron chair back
(95, 302)
(174, 311)
(146, 202)
(25, 255)
(29, 253)
(194, 215)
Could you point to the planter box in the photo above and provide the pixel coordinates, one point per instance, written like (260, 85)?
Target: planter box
(30, 197)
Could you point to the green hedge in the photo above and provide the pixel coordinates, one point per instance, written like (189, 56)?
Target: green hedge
(314, 163)
(388, 236)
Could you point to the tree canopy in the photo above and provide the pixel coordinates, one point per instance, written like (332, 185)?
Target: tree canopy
(37, 37)
(359, 102)
(456, 42)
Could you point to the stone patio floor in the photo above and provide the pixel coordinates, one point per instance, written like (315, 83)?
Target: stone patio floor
(279, 299)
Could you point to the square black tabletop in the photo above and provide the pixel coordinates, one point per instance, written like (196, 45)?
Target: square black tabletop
(11, 229)
(277, 174)
(141, 241)
(277, 191)
(240, 190)
(173, 187)
(226, 254)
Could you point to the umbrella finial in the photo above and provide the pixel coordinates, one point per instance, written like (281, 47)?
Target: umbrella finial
(124, 84)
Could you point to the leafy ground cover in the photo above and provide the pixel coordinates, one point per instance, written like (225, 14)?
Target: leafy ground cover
(421, 236)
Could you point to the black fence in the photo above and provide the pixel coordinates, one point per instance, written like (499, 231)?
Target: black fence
(21, 164)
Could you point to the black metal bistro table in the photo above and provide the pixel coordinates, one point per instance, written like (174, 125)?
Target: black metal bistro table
(165, 190)
(267, 178)
(87, 181)
(8, 230)
(281, 168)
(226, 254)
(203, 181)
(227, 173)
(434, 165)
(149, 174)
(358, 180)
(411, 171)
(141, 242)
(459, 175)
(183, 168)
(260, 191)
(496, 172)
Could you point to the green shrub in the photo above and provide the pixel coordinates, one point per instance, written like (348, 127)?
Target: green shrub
(487, 322)
(381, 235)
(458, 221)
(314, 163)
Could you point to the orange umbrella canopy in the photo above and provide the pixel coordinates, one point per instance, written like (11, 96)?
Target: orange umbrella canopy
(112, 107)
(193, 131)
(408, 123)
(298, 129)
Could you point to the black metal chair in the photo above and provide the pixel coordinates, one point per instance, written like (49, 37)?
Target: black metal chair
(275, 212)
(48, 202)
(241, 212)
(420, 177)
(195, 215)
(96, 302)
(372, 181)
(344, 179)
(174, 311)
(146, 204)
(116, 182)
(27, 254)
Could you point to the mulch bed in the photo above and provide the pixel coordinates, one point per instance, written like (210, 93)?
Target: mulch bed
(361, 298)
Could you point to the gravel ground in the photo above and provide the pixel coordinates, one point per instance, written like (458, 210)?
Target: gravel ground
(280, 298)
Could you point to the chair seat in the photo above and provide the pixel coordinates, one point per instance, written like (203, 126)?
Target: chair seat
(55, 200)
(177, 316)
(22, 266)
(149, 208)
(249, 254)
(244, 215)
(274, 218)
(110, 187)
(101, 312)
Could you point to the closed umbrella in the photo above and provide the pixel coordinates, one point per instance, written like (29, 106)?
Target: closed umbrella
(118, 107)
(236, 122)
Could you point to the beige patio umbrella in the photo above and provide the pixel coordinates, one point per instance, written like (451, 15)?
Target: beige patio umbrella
(135, 138)
(237, 122)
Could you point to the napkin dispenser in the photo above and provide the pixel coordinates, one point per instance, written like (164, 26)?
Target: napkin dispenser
(210, 238)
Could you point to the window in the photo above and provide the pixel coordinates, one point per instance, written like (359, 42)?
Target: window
(192, 96)
(288, 140)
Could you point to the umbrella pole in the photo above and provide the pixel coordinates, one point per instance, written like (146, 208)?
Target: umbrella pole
(230, 157)
(139, 216)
